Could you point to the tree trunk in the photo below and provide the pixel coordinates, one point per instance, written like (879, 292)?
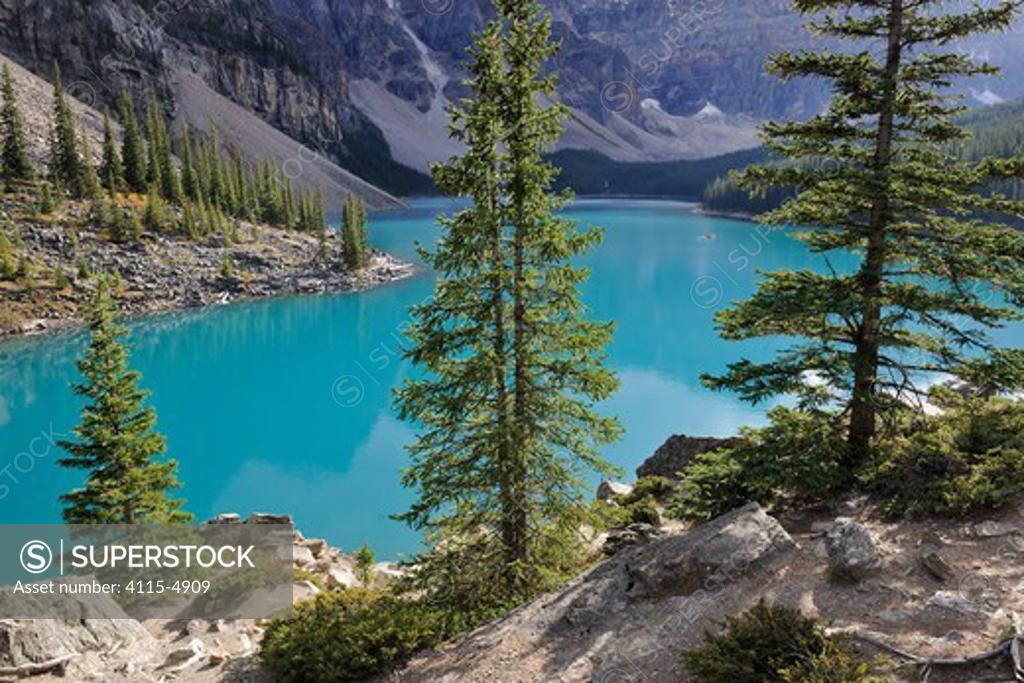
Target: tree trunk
(863, 422)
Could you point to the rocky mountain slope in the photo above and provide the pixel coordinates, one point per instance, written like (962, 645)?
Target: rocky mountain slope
(366, 82)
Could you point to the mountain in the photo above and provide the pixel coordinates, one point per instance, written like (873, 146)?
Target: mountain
(366, 83)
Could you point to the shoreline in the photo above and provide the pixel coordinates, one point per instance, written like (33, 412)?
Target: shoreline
(159, 273)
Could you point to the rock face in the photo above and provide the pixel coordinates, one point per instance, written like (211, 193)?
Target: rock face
(608, 491)
(648, 79)
(852, 551)
(28, 642)
(634, 613)
(677, 452)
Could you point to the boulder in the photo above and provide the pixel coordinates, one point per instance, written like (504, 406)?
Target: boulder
(226, 518)
(26, 642)
(936, 566)
(302, 556)
(267, 518)
(608, 491)
(339, 576)
(852, 551)
(673, 455)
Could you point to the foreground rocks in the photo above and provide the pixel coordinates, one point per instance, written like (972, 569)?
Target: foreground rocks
(163, 273)
(626, 616)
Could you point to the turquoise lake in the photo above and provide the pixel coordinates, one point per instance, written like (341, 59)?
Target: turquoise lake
(285, 405)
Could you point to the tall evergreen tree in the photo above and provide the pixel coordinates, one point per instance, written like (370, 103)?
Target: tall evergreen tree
(513, 367)
(14, 159)
(935, 271)
(189, 177)
(65, 163)
(111, 171)
(354, 251)
(90, 185)
(117, 444)
(133, 149)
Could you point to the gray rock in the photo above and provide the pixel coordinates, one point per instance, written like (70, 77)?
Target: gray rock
(991, 529)
(628, 537)
(608, 491)
(41, 640)
(936, 566)
(955, 602)
(852, 551)
(226, 518)
(302, 556)
(673, 455)
(267, 518)
(339, 576)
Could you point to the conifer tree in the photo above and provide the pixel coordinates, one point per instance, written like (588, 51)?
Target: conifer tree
(111, 172)
(90, 181)
(133, 149)
(116, 443)
(15, 163)
(353, 233)
(513, 368)
(936, 269)
(65, 163)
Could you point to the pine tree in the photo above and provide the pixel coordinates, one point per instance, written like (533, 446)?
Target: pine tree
(189, 177)
(65, 163)
(935, 273)
(14, 160)
(111, 172)
(116, 442)
(513, 368)
(133, 149)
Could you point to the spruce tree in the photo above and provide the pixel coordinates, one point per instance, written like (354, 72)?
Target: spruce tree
(133, 149)
(65, 163)
(14, 160)
(354, 251)
(936, 267)
(90, 186)
(111, 172)
(512, 367)
(189, 176)
(116, 443)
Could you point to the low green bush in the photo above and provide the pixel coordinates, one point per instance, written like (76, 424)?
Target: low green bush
(794, 460)
(968, 459)
(644, 511)
(348, 635)
(770, 644)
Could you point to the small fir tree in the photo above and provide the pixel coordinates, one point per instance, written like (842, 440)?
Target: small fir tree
(117, 444)
(65, 162)
(111, 171)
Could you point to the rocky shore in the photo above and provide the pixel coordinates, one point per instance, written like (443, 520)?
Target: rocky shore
(160, 273)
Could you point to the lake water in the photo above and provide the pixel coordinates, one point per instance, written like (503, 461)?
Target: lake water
(285, 405)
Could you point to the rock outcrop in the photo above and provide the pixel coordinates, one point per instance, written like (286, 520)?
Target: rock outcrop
(673, 455)
(633, 613)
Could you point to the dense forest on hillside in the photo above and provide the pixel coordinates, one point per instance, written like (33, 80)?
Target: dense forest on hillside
(998, 131)
(592, 173)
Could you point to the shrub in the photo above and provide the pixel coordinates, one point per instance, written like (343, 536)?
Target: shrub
(771, 644)
(348, 635)
(644, 511)
(969, 458)
(795, 460)
(365, 564)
